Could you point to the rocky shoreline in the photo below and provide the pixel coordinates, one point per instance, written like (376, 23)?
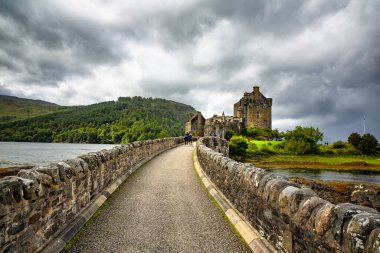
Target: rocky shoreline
(12, 171)
(338, 167)
(344, 192)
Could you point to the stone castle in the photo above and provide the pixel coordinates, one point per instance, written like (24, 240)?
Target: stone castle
(252, 110)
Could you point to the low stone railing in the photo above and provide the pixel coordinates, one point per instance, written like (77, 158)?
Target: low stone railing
(38, 203)
(294, 219)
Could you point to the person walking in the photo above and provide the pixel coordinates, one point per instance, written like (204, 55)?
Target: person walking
(186, 138)
(190, 139)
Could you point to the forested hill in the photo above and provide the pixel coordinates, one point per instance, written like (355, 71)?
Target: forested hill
(14, 108)
(126, 120)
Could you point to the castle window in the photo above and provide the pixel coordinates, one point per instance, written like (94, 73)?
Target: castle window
(258, 116)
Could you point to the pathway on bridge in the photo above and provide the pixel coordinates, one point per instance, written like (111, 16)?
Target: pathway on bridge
(161, 208)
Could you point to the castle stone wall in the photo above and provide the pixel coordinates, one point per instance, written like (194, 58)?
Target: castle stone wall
(38, 203)
(195, 125)
(294, 219)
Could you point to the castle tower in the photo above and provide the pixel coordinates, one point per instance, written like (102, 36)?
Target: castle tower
(254, 109)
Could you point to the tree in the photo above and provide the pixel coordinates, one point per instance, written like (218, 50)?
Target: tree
(303, 140)
(229, 134)
(354, 139)
(368, 144)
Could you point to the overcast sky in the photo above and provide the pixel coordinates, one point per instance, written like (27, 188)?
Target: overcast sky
(318, 59)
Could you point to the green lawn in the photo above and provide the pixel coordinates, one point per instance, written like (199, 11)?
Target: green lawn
(260, 144)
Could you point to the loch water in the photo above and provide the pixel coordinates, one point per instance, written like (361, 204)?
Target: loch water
(14, 154)
(359, 176)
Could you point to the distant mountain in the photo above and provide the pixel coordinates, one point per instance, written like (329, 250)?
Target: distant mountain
(14, 108)
(126, 120)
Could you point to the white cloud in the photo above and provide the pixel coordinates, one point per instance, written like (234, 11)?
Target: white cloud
(214, 44)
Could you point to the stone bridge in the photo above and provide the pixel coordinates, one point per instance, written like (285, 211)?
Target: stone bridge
(163, 207)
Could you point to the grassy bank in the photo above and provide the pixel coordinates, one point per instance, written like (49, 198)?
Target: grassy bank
(269, 154)
(322, 159)
(340, 163)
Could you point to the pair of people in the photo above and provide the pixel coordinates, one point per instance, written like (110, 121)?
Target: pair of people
(188, 138)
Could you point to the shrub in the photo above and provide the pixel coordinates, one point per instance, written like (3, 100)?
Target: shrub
(238, 146)
(229, 134)
(252, 145)
(339, 144)
(267, 150)
(326, 150)
(348, 150)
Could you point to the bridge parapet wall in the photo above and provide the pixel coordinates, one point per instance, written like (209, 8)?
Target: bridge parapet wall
(38, 203)
(294, 219)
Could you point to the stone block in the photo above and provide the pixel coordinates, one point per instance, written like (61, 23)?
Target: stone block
(357, 231)
(104, 155)
(285, 198)
(66, 171)
(306, 210)
(46, 180)
(16, 228)
(273, 189)
(297, 197)
(257, 176)
(51, 171)
(9, 248)
(115, 152)
(325, 219)
(92, 160)
(344, 212)
(373, 242)
(265, 179)
(78, 165)
(31, 183)
(34, 218)
(30, 174)
(11, 190)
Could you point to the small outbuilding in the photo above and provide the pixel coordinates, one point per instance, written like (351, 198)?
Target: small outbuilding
(195, 125)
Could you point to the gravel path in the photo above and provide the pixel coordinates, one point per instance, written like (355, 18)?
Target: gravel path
(161, 208)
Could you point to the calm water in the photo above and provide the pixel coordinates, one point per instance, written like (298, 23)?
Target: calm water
(30, 153)
(329, 175)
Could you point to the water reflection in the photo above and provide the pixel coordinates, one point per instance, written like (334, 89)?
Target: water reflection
(330, 175)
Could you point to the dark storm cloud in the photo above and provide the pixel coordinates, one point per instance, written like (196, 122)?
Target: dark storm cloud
(283, 18)
(50, 45)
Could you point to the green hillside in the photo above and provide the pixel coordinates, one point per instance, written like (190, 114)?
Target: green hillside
(14, 108)
(126, 120)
